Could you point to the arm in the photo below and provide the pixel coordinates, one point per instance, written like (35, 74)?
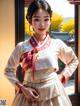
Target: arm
(11, 66)
(10, 74)
(68, 56)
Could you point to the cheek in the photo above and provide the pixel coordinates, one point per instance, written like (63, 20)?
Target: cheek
(48, 23)
(35, 24)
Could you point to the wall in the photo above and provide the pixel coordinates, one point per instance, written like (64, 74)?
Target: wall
(7, 43)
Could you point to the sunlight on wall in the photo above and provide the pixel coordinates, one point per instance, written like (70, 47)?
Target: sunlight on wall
(7, 44)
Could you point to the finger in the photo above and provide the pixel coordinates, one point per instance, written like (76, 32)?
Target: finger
(33, 98)
(35, 94)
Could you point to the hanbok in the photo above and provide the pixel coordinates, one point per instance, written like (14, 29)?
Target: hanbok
(41, 73)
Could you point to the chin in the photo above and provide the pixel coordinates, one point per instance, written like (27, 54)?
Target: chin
(42, 33)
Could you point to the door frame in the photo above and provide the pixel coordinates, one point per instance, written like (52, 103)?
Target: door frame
(19, 21)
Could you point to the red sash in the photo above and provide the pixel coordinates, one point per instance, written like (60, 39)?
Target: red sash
(29, 57)
(36, 48)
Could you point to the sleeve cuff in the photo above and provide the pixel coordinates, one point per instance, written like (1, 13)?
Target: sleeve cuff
(67, 72)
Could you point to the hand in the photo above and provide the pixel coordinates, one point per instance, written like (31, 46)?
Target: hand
(18, 87)
(63, 79)
(30, 93)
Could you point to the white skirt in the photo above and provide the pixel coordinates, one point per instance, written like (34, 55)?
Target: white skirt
(50, 89)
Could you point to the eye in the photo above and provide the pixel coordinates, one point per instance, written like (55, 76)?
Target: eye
(47, 19)
(36, 19)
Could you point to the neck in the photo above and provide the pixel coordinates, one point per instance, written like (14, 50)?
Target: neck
(40, 38)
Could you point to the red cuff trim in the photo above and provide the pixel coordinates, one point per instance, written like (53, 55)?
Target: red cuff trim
(63, 79)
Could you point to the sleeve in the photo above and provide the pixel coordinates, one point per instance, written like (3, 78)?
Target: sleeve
(12, 65)
(69, 58)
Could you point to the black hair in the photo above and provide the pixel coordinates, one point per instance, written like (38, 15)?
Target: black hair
(35, 6)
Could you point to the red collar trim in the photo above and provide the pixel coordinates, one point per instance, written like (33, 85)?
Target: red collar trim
(44, 45)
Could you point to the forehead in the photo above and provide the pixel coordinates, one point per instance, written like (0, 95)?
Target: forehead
(41, 13)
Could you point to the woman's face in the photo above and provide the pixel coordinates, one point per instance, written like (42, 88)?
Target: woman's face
(41, 22)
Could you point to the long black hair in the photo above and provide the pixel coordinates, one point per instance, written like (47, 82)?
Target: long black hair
(35, 6)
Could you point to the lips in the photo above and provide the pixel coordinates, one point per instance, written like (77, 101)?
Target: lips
(41, 29)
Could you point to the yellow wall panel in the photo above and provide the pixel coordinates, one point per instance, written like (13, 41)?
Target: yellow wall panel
(7, 44)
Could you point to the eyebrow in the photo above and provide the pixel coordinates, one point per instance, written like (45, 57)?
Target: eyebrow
(39, 17)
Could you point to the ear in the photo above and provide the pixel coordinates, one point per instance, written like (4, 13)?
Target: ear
(30, 23)
(50, 23)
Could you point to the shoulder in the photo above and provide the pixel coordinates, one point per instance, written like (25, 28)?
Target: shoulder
(57, 41)
(23, 43)
(24, 46)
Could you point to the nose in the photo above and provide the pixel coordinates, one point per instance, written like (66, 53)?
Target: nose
(41, 24)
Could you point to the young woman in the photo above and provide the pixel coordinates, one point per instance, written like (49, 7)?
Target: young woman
(39, 61)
